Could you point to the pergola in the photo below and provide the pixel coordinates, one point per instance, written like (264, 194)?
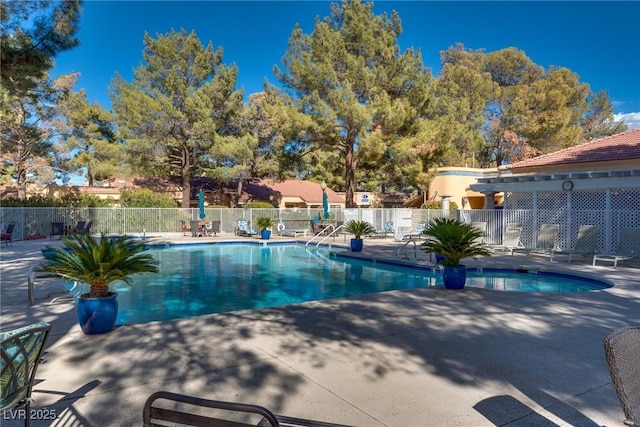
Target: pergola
(597, 182)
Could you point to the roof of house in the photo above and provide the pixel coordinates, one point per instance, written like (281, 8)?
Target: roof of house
(309, 191)
(622, 146)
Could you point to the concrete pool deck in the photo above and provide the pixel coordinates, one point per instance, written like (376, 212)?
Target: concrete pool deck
(421, 357)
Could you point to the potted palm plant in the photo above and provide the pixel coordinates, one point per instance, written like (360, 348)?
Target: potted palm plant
(358, 228)
(454, 240)
(97, 262)
(264, 223)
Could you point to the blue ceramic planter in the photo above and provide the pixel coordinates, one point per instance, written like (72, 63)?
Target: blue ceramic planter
(97, 315)
(454, 277)
(265, 234)
(356, 245)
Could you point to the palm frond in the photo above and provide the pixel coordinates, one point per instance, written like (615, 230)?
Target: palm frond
(97, 262)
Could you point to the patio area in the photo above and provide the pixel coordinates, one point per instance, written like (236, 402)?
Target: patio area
(421, 357)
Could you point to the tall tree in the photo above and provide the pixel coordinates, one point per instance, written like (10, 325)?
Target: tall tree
(283, 137)
(88, 138)
(464, 90)
(349, 77)
(32, 33)
(536, 111)
(181, 110)
(598, 121)
(26, 131)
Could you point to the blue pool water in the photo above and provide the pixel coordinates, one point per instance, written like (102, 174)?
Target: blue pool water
(206, 279)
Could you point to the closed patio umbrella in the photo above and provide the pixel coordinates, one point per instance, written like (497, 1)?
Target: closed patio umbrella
(325, 201)
(201, 204)
(325, 205)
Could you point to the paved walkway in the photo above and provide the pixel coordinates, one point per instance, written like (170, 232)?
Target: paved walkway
(422, 357)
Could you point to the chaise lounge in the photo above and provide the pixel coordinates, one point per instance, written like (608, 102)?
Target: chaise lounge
(244, 229)
(384, 231)
(510, 239)
(586, 243)
(628, 248)
(283, 231)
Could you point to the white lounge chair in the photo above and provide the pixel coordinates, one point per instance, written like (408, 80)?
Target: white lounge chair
(384, 231)
(510, 239)
(283, 231)
(547, 240)
(586, 243)
(628, 247)
(482, 227)
(417, 233)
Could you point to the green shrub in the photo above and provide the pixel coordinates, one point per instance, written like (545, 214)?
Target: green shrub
(74, 200)
(143, 198)
(437, 204)
(454, 240)
(258, 205)
(264, 222)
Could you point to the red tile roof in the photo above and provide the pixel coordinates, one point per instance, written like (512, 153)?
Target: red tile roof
(309, 191)
(622, 146)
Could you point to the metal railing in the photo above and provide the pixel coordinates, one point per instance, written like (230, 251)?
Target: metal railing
(333, 233)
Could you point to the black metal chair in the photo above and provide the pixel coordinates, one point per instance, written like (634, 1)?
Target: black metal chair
(7, 236)
(87, 228)
(57, 229)
(622, 349)
(195, 228)
(20, 351)
(164, 408)
(79, 228)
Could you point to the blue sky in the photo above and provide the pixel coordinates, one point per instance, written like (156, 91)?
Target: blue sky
(599, 41)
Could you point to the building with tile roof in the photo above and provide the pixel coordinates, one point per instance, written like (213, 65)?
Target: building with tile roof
(301, 194)
(607, 163)
(594, 183)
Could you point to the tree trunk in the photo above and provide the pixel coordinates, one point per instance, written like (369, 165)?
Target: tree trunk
(22, 183)
(186, 177)
(349, 178)
(238, 191)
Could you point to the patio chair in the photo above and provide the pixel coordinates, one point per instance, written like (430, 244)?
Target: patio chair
(284, 231)
(244, 229)
(87, 228)
(57, 229)
(20, 355)
(586, 243)
(417, 233)
(79, 228)
(628, 247)
(184, 227)
(384, 231)
(482, 227)
(165, 408)
(7, 236)
(212, 228)
(195, 228)
(546, 242)
(622, 350)
(510, 239)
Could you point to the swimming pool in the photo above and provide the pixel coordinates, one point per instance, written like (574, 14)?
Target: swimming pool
(216, 278)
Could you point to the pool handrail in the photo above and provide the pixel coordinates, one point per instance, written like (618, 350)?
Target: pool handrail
(415, 249)
(333, 233)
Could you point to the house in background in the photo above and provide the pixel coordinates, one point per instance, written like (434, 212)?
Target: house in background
(300, 194)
